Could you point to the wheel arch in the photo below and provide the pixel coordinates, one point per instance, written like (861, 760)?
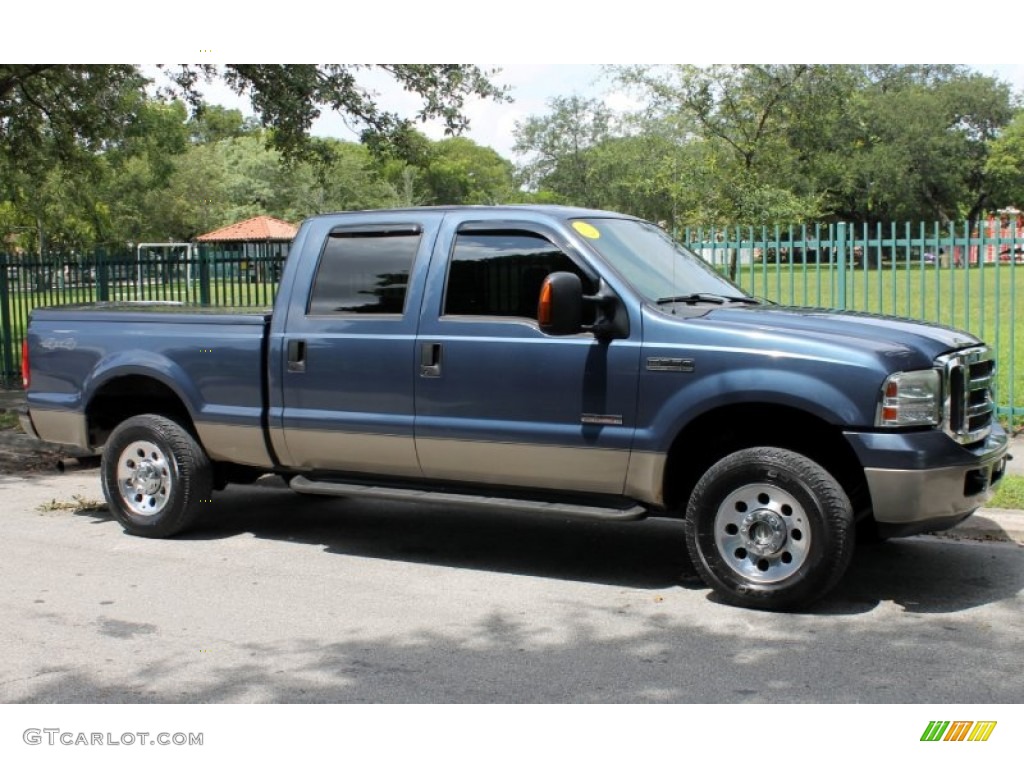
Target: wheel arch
(729, 428)
(133, 394)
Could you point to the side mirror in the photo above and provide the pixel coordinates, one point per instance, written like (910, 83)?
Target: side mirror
(560, 308)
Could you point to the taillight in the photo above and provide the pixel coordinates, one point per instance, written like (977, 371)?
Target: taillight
(26, 373)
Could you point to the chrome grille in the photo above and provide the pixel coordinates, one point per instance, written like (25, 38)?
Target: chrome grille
(968, 406)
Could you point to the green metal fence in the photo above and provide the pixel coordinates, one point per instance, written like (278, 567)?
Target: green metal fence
(229, 277)
(969, 277)
(958, 275)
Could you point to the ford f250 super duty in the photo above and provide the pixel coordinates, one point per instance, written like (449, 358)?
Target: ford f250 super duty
(558, 360)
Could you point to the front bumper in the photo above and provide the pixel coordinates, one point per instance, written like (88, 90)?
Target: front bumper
(933, 490)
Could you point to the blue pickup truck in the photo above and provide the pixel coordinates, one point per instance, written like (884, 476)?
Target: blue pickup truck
(559, 360)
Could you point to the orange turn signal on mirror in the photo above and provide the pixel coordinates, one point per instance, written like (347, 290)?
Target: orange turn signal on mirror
(544, 305)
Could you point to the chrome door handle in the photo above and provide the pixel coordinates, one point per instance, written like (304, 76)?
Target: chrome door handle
(430, 360)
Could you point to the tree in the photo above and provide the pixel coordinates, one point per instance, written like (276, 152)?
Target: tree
(212, 122)
(54, 122)
(860, 143)
(345, 178)
(557, 148)
(1004, 166)
(915, 145)
(92, 130)
(742, 115)
(289, 97)
(461, 172)
(60, 109)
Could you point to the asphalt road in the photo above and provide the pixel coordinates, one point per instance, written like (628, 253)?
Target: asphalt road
(282, 598)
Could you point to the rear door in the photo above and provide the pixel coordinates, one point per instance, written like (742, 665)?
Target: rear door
(349, 349)
(497, 400)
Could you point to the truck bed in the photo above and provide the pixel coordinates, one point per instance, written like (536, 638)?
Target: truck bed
(212, 359)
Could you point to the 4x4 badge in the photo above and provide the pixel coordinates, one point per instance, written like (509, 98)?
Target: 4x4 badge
(601, 418)
(678, 364)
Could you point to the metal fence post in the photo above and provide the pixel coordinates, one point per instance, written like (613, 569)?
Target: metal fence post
(204, 276)
(6, 341)
(841, 265)
(102, 278)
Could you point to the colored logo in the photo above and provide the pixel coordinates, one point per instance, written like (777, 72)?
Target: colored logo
(958, 730)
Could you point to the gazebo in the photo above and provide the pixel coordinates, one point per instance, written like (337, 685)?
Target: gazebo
(255, 247)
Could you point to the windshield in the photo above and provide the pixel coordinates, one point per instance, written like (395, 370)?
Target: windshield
(654, 264)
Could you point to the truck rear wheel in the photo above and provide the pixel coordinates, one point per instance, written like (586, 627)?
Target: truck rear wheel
(769, 528)
(155, 476)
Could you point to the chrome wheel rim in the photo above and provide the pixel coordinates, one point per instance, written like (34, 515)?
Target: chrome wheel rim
(144, 478)
(762, 533)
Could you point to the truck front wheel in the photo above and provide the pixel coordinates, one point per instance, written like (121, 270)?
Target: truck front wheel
(769, 528)
(155, 476)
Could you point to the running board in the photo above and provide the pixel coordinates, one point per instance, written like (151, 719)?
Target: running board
(304, 485)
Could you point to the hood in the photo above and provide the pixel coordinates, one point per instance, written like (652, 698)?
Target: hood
(887, 336)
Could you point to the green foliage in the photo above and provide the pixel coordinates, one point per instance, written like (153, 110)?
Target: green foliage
(212, 123)
(733, 122)
(461, 172)
(1010, 494)
(559, 148)
(1004, 166)
(56, 110)
(86, 157)
(918, 148)
(781, 144)
(289, 97)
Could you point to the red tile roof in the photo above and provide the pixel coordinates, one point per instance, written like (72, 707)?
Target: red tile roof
(258, 229)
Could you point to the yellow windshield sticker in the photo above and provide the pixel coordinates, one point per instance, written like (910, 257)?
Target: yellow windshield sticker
(587, 230)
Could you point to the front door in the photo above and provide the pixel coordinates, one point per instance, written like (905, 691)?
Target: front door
(497, 400)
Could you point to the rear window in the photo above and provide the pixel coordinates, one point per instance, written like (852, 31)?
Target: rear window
(364, 273)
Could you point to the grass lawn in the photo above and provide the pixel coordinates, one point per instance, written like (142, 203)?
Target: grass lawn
(1010, 494)
(988, 302)
(9, 420)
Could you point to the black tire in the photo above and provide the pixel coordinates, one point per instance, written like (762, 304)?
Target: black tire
(769, 528)
(156, 476)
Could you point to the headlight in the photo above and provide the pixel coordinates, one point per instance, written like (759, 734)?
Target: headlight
(910, 399)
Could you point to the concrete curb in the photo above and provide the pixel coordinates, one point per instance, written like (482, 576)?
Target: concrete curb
(989, 524)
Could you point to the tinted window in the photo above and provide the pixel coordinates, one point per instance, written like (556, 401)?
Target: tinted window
(500, 273)
(364, 273)
(656, 265)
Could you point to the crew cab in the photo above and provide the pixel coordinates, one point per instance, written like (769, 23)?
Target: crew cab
(559, 360)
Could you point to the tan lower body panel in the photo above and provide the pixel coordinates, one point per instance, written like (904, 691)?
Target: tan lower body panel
(238, 444)
(588, 470)
(645, 480)
(352, 452)
(64, 427)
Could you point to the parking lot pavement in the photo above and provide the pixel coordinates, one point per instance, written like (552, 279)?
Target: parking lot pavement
(277, 597)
